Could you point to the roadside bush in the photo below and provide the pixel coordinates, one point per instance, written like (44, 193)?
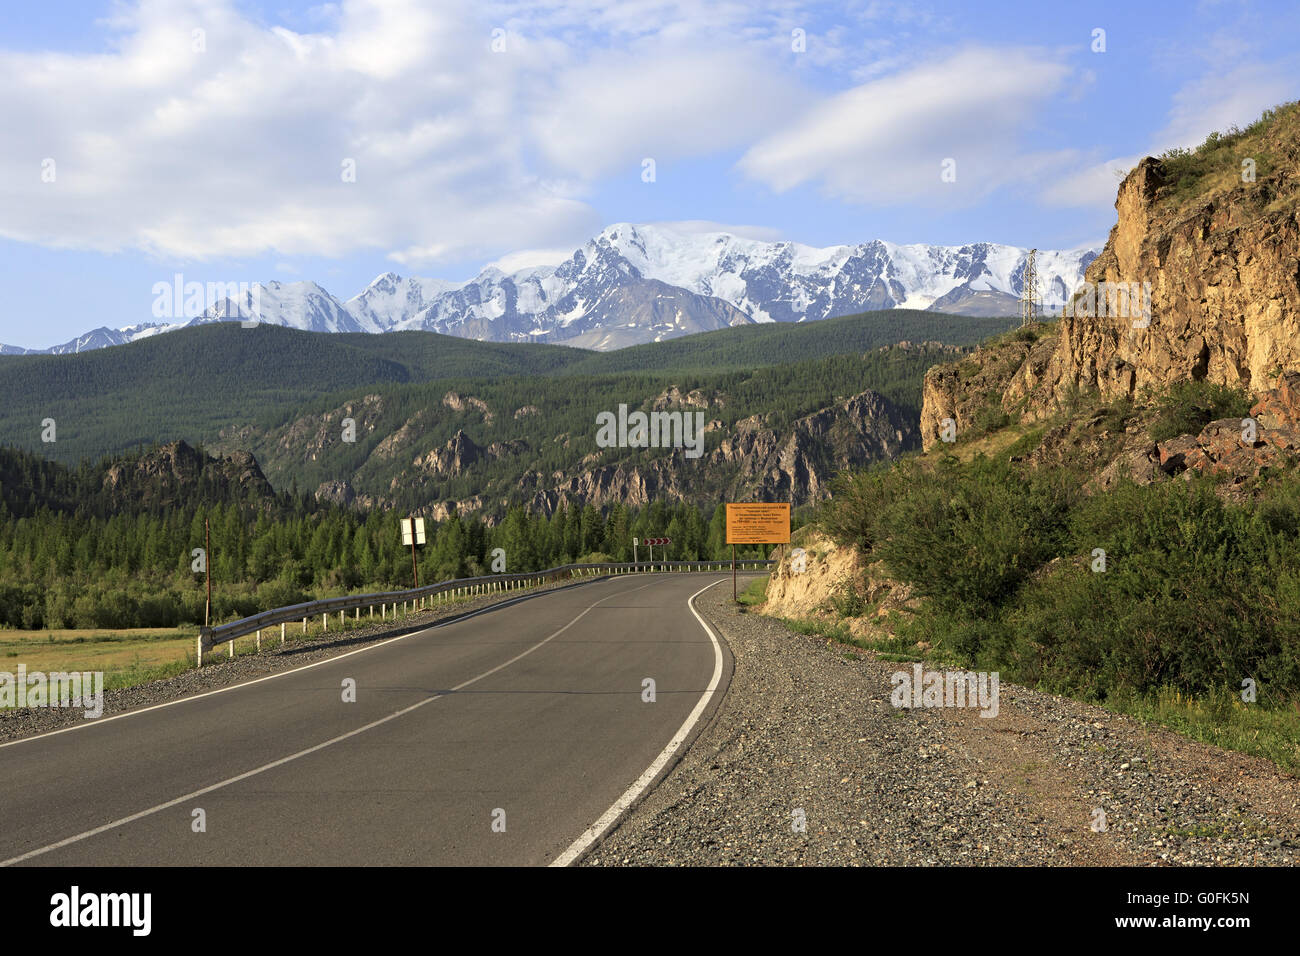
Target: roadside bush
(969, 534)
(273, 594)
(860, 498)
(1187, 407)
(1181, 603)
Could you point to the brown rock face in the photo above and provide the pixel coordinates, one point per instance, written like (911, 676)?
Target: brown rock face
(756, 461)
(1280, 407)
(176, 472)
(997, 377)
(1204, 269)
(458, 403)
(453, 458)
(1242, 448)
(461, 452)
(1224, 288)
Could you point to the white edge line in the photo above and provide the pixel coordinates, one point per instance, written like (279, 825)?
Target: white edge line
(633, 793)
(310, 750)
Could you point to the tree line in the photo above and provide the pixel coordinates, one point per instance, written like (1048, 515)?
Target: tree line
(81, 570)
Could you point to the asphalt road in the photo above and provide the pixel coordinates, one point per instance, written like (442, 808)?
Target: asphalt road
(529, 715)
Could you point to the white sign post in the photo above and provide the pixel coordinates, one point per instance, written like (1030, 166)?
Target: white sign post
(413, 534)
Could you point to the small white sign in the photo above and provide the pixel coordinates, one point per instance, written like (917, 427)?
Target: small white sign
(406, 531)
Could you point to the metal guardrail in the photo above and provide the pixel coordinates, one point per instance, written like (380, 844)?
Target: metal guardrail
(209, 637)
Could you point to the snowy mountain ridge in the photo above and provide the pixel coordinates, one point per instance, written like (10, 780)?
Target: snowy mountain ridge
(642, 283)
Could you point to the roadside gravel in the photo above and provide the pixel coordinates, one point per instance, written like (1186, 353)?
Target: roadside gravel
(806, 731)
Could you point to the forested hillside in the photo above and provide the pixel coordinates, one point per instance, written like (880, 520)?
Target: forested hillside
(195, 383)
(495, 443)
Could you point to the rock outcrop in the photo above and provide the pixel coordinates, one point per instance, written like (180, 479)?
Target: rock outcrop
(1216, 259)
(175, 473)
(757, 461)
(458, 403)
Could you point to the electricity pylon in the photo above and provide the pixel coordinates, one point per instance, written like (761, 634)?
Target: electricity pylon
(1029, 291)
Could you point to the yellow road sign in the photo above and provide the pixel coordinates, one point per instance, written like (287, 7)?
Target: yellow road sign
(753, 523)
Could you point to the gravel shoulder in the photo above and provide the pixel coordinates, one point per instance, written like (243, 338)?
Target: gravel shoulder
(807, 733)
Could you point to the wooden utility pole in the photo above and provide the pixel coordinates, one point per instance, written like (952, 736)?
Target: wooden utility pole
(207, 566)
(415, 568)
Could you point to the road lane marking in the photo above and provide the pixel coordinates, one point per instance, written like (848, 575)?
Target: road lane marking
(633, 793)
(310, 750)
(99, 722)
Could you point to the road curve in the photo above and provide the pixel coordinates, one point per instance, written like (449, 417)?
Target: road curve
(510, 737)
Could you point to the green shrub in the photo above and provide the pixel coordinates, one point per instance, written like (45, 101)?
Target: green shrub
(969, 534)
(1187, 407)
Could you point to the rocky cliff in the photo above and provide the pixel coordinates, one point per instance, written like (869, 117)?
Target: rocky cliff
(176, 473)
(1210, 241)
(755, 462)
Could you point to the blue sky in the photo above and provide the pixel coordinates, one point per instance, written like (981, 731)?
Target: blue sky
(499, 129)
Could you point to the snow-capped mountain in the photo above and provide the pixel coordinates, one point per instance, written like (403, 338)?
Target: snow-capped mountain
(299, 305)
(641, 283)
(389, 301)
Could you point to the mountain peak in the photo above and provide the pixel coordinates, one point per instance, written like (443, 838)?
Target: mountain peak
(616, 289)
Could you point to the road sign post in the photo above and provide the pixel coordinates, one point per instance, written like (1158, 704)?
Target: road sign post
(413, 534)
(755, 523)
(651, 542)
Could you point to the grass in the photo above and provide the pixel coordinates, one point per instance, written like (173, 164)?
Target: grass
(1189, 406)
(1215, 165)
(1222, 721)
(838, 633)
(755, 592)
(129, 657)
(114, 652)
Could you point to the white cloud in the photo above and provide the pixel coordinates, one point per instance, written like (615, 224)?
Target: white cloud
(662, 100)
(239, 149)
(883, 142)
(1094, 185)
(695, 227)
(1235, 96)
(1224, 98)
(531, 259)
